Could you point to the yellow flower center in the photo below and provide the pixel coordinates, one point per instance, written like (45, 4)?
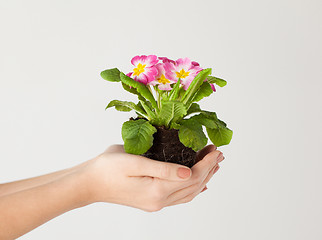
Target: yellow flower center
(163, 80)
(182, 74)
(139, 69)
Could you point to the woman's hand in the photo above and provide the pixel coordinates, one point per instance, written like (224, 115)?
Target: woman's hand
(117, 177)
(113, 176)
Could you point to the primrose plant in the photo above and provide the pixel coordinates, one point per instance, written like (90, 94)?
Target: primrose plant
(167, 91)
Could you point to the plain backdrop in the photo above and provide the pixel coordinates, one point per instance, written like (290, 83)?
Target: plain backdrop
(52, 102)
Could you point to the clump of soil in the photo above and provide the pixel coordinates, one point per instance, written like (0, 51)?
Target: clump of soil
(168, 148)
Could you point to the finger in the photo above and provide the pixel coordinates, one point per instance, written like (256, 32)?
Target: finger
(190, 195)
(221, 159)
(199, 171)
(208, 162)
(163, 170)
(209, 176)
(194, 188)
(216, 169)
(203, 152)
(186, 199)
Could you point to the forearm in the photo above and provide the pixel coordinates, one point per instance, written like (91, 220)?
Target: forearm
(13, 187)
(25, 210)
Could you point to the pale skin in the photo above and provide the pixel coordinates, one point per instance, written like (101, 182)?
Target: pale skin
(113, 177)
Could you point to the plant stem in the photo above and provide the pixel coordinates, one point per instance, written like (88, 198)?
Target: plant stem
(151, 115)
(159, 100)
(157, 97)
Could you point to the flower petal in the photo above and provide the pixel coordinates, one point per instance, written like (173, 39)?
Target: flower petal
(150, 73)
(213, 87)
(195, 63)
(183, 63)
(186, 82)
(129, 74)
(161, 70)
(153, 83)
(195, 70)
(171, 75)
(136, 60)
(150, 60)
(169, 71)
(165, 86)
(165, 59)
(142, 78)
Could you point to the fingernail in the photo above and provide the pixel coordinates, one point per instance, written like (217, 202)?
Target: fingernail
(221, 159)
(204, 189)
(216, 169)
(184, 172)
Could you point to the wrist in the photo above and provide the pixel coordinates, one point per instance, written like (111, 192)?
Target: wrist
(84, 194)
(89, 182)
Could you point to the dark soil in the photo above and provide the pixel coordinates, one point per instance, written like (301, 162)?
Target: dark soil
(168, 148)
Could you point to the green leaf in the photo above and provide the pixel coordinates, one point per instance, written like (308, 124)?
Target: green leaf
(220, 136)
(147, 103)
(204, 91)
(175, 91)
(143, 103)
(195, 84)
(140, 87)
(147, 108)
(130, 89)
(163, 95)
(218, 81)
(181, 93)
(221, 124)
(112, 75)
(137, 136)
(209, 121)
(191, 135)
(194, 108)
(175, 125)
(125, 106)
(170, 111)
(217, 130)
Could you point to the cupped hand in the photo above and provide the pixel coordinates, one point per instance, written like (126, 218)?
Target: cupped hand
(118, 177)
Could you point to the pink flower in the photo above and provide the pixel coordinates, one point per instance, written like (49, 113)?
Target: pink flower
(212, 87)
(145, 70)
(211, 84)
(185, 70)
(165, 59)
(162, 79)
(195, 64)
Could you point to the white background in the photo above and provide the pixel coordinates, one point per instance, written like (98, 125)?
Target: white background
(52, 102)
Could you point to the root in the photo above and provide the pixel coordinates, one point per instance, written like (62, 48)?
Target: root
(165, 159)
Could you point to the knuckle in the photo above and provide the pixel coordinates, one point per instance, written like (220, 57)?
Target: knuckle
(209, 160)
(196, 179)
(189, 198)
(164, 170)
(219, 154)
(157, 193)
(156, 202)
(213, 157)
(195, 187)
(155, 207)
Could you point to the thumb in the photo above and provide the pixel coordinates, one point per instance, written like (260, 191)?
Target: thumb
(162, 170)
